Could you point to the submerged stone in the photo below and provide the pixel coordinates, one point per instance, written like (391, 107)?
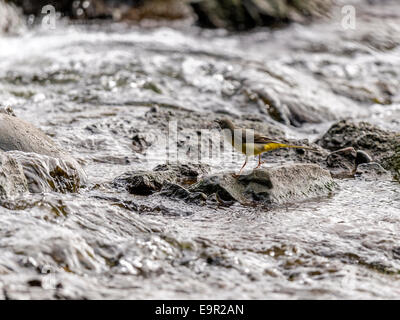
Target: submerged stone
(281, 184)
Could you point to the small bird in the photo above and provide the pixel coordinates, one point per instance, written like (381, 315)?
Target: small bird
(250, 143)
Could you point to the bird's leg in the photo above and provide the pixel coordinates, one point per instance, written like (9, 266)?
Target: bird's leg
(245, 162)
(259, 162)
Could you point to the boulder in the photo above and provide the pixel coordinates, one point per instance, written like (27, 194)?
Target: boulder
(280, 184)
(381, 145)
(12, 179)
(16, 134)
(148, 182)
(245, 14)
(344, 162)
(45, 174)
(42, 158)
(143, 182)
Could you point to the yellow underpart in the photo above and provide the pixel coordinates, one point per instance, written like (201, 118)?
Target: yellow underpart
(254, 149)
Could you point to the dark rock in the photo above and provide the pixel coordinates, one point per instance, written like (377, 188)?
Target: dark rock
(140, 143)
(286, 183)
(382, 146)
(185, 173)
(7, 110)
(70, 8)
(112, 9)
(35, 283)
(175, 191)
(341, 163)
(245, 14)
(362, 157)
(372, 171)
(222, 185)
(143, 182)
(148, 182)
(12, 180)
(362, 135)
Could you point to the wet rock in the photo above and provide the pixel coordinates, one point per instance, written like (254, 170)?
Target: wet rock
(12, 180)
(372, 171)
(382, 146)
(281, 184)
(116, 9)
(140, 142)
(341, 163)
(362, 135)
(70, 8)
(143, 182)
(240, 15)
(158, 10)
(286, 96)
(392, 163)
(186, 173)
(362, 157)
(148, 182)
(45, 174)
(175, 191)
(18, 135)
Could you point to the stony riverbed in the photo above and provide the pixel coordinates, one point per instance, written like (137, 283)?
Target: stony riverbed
(134, 226)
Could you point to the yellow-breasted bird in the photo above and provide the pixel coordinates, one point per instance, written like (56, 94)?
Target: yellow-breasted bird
(251, 143)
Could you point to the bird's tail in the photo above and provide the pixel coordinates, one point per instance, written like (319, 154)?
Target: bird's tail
(298, 147)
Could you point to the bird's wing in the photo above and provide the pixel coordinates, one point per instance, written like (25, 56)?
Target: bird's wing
(243, 134)
(263, 139)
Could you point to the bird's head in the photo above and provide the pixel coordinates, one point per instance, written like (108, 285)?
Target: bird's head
(225, 124)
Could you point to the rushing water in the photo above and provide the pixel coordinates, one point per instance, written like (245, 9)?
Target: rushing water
(92, 88)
